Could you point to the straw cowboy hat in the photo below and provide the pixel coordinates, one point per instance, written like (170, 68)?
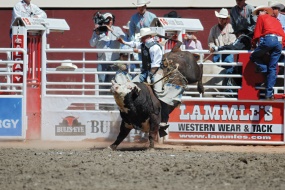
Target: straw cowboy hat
(276, 4)
(262, 7)
(224, 13)
(127, 26)
(141, 3)
(66, 66)
(146, 32)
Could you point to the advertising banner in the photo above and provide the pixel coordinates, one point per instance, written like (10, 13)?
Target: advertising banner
(11, 117)
(74, 126)
(228, 121)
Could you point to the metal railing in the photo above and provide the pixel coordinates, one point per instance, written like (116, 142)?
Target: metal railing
(83, 81)
(9, 83)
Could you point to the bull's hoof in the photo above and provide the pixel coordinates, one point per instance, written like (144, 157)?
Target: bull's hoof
(162, 133)
(112, 147)
(163, 126)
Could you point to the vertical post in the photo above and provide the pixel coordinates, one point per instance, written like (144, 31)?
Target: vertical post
(34, 86)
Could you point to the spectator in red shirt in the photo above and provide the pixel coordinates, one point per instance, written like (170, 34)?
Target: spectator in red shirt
(267, 33)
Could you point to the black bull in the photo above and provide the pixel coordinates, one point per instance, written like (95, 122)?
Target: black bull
(140, 109)
(188, 67)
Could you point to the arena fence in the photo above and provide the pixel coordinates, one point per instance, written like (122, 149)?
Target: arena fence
(75, 105)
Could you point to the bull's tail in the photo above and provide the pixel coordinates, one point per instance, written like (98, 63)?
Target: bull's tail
(200, 86)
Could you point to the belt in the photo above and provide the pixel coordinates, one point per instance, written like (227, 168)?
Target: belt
(273, 35)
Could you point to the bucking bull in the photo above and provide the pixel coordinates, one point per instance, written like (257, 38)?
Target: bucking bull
(140, 108)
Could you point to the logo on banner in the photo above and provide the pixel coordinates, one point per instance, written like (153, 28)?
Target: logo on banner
(70, 126)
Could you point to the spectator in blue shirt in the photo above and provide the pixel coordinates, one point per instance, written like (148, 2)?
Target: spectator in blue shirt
(142, 19)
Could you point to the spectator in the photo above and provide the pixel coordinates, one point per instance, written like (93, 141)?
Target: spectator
(25, 8)
(105, 37)
(125, 57)
(191, 42)
(222, 34)
(126, 31)
(277, 7)
(266, 35)
(243, 42)
(142, 19)
(128, 39)
(151, 67)
(241, 16)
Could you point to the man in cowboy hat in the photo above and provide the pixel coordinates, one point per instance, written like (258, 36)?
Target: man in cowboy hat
(151, 66)
(266, 33)
(151, 54)
(221, 34)
(142, 19)
(241, 16)
(277, 7)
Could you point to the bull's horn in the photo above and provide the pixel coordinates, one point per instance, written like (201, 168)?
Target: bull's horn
(113, 82)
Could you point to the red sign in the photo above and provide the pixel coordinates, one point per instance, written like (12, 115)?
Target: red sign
(228, 121)
(18, 42)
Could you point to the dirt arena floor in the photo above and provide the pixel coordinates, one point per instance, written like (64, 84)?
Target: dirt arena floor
(88, 165)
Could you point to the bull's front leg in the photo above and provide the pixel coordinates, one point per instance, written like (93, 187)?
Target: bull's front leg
(122, 135)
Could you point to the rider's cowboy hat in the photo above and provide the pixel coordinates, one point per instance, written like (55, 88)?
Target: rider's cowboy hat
(146, 32)
(141, 3)
(276, 4)
(127, 26)
(269, 10)
(224, 13)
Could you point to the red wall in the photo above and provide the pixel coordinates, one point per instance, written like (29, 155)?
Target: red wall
(81, 24)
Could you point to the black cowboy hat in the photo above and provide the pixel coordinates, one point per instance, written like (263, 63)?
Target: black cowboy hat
(172, 14)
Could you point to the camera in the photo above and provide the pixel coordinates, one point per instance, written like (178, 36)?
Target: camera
(99, 19)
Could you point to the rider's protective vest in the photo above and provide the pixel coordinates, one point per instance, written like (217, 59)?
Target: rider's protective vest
(146, 61)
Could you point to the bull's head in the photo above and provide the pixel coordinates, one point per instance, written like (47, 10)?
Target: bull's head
(124, 89)
(120, 92)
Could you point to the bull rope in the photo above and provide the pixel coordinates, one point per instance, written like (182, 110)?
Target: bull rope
(169, 73)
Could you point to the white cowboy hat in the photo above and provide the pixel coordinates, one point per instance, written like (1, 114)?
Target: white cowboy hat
(66, 66)
(146, 32)
(224, 13)
(276, 4)
(262, 7)
(141, 3)
(127, 26)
